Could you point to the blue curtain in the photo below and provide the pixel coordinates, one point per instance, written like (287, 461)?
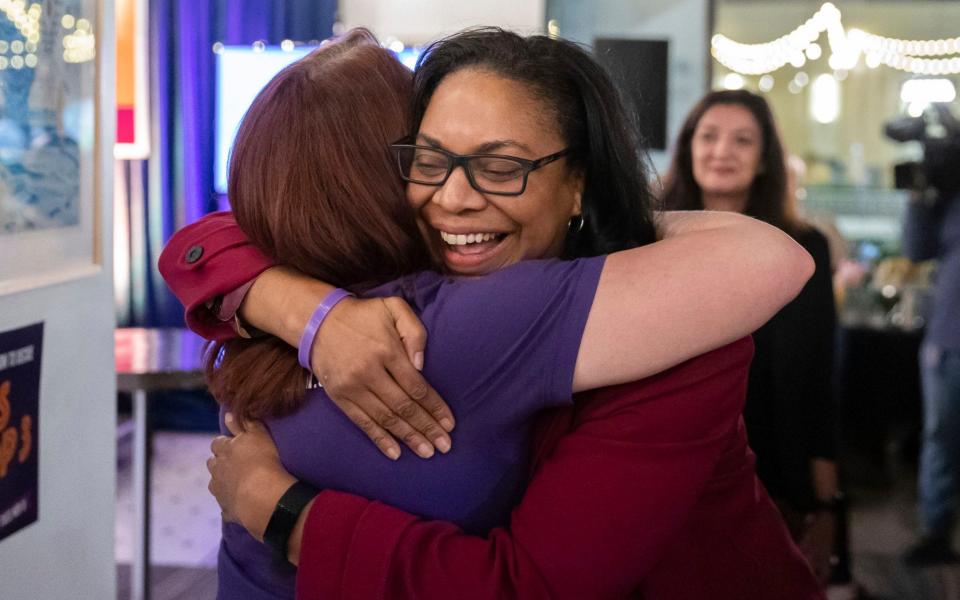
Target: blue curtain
(175, 187)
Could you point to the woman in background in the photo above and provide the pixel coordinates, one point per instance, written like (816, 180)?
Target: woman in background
(729, 157)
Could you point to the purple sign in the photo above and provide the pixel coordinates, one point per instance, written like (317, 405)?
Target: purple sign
(20, 352)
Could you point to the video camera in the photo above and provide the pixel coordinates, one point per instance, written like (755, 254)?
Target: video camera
(939, 133)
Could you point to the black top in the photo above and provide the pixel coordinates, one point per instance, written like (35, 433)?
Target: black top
(790, 412)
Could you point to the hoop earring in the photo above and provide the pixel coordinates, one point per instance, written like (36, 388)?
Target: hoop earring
(576, 224)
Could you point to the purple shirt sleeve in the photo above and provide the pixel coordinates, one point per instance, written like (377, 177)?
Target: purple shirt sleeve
(516, 330)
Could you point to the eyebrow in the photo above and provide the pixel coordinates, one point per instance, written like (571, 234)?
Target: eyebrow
(484, 148)
(742, 130)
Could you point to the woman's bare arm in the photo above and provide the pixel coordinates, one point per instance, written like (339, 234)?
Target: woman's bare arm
(714, 278)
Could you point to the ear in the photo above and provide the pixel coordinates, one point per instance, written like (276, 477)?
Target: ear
(577, 184)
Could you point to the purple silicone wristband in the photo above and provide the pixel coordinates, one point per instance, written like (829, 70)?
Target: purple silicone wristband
(313, 325)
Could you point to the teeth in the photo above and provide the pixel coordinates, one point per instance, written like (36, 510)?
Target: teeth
(463, 239)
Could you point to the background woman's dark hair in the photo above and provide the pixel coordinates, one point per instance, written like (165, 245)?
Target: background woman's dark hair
(313, 185)
(769, 198)
(617, 203)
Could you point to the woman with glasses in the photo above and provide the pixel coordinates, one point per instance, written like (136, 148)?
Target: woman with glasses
(643, 488)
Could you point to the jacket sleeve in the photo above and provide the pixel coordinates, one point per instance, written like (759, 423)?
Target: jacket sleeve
(599, 511)
(205, 260)
(921, 230)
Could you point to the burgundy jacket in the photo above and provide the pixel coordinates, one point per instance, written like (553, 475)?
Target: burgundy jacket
(645, 490)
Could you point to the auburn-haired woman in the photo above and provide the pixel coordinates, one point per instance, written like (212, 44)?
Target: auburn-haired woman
(635, 488)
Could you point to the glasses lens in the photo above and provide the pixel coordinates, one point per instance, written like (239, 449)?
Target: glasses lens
(497, 175)
(423, 165)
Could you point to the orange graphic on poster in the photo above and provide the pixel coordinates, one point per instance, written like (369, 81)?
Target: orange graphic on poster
(4, 404)
(9, 435)
(8, 447)
(26, 438)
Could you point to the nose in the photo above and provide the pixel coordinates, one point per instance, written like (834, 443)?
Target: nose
(457, 195)
(722, 146)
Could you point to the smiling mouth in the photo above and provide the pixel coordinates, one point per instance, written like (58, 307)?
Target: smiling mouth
(461, 239)
(471, 243)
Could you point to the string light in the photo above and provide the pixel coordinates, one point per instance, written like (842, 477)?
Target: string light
(25, 19)
(80, 45)
(553, 28)
(733, 81)
(27, 22)
(921, 57)
(757, 59)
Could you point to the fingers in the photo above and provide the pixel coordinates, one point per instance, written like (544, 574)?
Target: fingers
(232, 424)
(378, 422)
(378, 435)
(392, 422)
(218, 445)
(412, 332)
(416, 423)
(413, 385)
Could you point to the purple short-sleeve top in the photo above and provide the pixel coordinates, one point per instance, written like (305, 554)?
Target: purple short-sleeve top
(500, 349)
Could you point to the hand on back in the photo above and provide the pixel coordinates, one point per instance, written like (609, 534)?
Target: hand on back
(367, 356)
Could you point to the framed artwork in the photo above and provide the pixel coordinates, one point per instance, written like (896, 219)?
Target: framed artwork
(48, 141)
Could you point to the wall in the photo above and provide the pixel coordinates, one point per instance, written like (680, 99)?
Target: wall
(416, 22)
(68, 552)
(684, 23)
(868, 97)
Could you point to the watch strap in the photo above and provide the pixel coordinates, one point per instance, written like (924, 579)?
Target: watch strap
(285, 515)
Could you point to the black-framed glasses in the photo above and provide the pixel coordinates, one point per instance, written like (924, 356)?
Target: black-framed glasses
(497, 174)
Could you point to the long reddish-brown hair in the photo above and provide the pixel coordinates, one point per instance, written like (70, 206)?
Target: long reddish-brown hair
(313, 185)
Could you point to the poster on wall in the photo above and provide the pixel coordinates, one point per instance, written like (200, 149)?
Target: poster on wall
(133, 124)
(20, 352)
(47, 141)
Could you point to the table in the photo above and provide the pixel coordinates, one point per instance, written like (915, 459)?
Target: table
(150, 360)
(879, 389)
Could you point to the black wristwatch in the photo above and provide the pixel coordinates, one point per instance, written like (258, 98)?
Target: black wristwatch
(285, 515)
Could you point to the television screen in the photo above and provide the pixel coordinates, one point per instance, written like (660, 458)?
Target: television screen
(640, 69)
(241, 73)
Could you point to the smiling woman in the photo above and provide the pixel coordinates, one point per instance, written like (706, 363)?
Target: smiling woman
(729, 153)
(726, 156)
(476, 111)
